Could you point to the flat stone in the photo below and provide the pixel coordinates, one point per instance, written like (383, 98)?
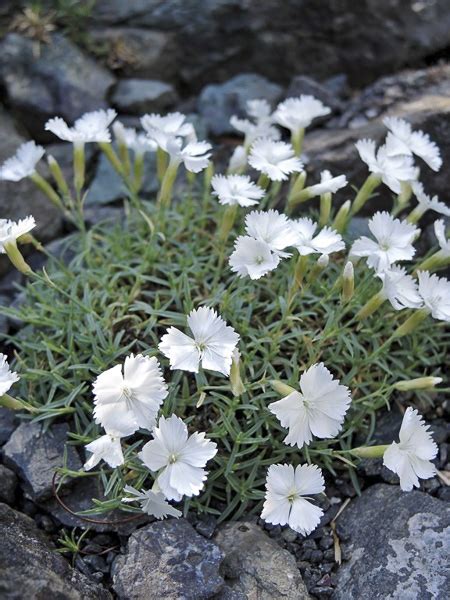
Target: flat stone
(61, 80)
(399, 546)
(8, 423)
(18, 199)
(138, 96)
(34, 456)
(218, 102)
(8, 485)
(138, 52)
(169, 560)
(31, 568)
(255, 566)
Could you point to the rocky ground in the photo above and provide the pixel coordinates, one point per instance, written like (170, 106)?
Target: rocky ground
(380, 58)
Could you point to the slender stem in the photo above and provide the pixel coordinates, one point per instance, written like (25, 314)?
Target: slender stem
(372, 182)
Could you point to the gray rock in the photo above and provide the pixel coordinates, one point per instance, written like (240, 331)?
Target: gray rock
(138, 96)
(306, 85)
(19, 199)
(399, 546)
(31, 568)
(217, 39)
(218, 102)
(169, 560)
(61, 81)
(34, 455)
(255, 566)
(8, 485)
(136, 52)
(8, 423)
(421, 97)
(107, 186)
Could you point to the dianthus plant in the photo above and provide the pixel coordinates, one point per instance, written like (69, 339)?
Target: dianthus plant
(228, 344)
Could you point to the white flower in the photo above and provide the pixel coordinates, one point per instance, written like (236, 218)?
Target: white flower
(23, 163)
(138, 142)
(427, 203)
(125, 401)
(393, 241)
(277, 160)
(392, 169)
(288, 493)
(444, 242)
(328, 184)
(152, 502)
(400, 288)
(411, 458)
(179, 458)
(318, 409)
(262, 124)
(252, 257)
(10, 231)
(325, 242)
(271, 227)
(297, 113)
(435, 293)
(7, 377)
(91, 127)
(238, 160)
(172, 124)
(236, 189)
(107, 448)
(194, 155)
(404, 141)
(212, 345)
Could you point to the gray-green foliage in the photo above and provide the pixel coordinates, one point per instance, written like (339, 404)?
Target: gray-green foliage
(129, 282)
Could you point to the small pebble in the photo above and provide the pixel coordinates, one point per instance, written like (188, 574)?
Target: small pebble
(289, 535)
(316, 556)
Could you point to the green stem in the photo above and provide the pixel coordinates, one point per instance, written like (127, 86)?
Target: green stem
(165, 193)
(47, 189)
(297, 141)
(372, 182)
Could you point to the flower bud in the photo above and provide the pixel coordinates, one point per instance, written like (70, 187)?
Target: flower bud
(237, 386)
(371, 306)
(370, 451)
(340, 220)
(325, 209)
(411, 324)
(348, 282)
(15, 256)
(47, 189)
(282, 388)
(421, 383)
(58, 176)
(323, 261)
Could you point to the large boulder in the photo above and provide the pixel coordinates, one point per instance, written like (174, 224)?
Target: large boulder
(35, 454)
(30, 567)
(139, 96)
(421, 97)
(399, 546)
(169, 560)
(220, 38)
(218, 102)
(60, 80)
(256, 567)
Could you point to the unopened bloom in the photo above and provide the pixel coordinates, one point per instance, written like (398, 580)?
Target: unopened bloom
(138, 142)
(253, 258)
(318, 409)
(11, 231)
(152, 502)
(274, 159)
(328, 184)
(393, 242)
(271, 227)
(425, 203)
(91, 127)
(107, 448)
(260, 127)
(400, 288)
(23, 163)
(411, 458)
(392, 170)
(238, 160)
(180, 459)
(212, 345)
(325, 242)
(288, 492)
(435, 293)
(236, 189)
(129, 397)
(172, 124)
(298, 113)
(7, 377)
(404, 141)
(443, 240)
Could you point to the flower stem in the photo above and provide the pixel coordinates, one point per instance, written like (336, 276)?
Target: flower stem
(325, 209)
(297, 141)
(165, 193)
(370, 306)
(372, 182)
(78, 167)
(47, 189)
